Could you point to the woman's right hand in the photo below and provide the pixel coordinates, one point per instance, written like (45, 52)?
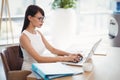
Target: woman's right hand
(71, 58)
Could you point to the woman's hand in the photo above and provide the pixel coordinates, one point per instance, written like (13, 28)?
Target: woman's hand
(73, 58)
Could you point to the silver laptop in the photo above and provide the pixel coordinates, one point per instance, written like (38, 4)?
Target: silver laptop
(87, 55)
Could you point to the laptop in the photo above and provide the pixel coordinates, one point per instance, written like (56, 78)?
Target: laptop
(87, 55)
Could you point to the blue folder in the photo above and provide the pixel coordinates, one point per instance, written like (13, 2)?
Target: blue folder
(50, 71)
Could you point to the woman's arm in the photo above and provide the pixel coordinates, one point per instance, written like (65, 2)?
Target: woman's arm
(57, 51)
(52, 49)
(25, 43)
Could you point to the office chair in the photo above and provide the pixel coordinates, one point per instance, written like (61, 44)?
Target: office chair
(12, 63)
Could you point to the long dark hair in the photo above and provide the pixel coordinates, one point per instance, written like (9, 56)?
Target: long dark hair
(30, 11)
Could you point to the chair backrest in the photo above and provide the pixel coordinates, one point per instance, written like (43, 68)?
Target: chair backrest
(5, 64)
(12, 63)
(13, 58)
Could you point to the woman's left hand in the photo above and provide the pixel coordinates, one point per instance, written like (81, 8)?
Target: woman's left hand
(79, 57)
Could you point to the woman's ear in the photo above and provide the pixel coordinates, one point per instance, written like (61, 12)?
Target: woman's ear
(29, 18)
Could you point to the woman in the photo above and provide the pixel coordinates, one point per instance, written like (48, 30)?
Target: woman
(33, 43)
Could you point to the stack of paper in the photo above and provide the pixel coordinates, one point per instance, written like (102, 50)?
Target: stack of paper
(101, 51)
(54, 70)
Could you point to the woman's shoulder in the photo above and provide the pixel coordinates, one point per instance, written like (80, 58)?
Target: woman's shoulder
(25, 32)
(23, 35)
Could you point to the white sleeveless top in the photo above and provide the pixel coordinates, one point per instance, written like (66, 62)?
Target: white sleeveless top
(37, 44)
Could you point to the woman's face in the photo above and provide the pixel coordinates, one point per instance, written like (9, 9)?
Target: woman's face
(37, 20)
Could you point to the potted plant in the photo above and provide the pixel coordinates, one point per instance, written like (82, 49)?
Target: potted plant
(64, 22)
(64, 4)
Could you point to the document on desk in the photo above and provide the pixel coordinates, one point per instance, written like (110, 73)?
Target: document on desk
(54, 70)
(101, 51)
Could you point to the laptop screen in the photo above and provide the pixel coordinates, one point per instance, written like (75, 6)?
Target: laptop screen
(93, 49)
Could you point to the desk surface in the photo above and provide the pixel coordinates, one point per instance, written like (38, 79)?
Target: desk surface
(105, 68)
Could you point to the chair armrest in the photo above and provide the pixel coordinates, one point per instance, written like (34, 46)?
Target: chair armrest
(18, 74)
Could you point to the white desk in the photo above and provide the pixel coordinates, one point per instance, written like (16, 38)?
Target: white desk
(105, 68)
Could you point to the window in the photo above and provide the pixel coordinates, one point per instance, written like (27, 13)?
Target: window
(93, 17)
(17, 8)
